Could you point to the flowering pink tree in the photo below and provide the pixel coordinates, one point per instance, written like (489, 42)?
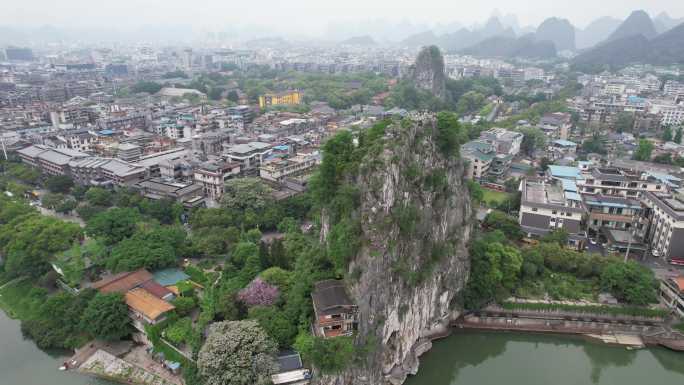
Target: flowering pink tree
(258, 293)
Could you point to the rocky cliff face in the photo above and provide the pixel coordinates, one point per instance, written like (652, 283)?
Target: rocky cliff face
(428, 71)
(407, 277)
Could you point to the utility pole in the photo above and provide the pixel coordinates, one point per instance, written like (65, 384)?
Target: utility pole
(4, 150)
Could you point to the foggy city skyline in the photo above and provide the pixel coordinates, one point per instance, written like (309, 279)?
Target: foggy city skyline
(310, 19)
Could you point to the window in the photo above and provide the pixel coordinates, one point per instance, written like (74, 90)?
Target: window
(658, 187)
(534, 209)
(554, 212)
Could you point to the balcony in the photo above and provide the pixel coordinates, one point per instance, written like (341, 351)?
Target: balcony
(610, 217)
(337, 333)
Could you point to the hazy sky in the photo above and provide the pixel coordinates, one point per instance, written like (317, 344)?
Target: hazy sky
(310, 15)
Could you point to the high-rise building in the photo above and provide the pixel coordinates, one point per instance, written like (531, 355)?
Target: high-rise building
(19, 54)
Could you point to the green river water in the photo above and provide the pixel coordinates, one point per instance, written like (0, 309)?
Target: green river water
(490, 358)
(465, 358)
(22, 363)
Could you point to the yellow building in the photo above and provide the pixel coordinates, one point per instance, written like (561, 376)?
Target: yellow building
(281, 98)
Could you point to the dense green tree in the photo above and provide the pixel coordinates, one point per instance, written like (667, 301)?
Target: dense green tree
(180, 331)
(61, 184)
(66, 206)
(99, 196)
(343, 243)
(667, 134)
(56, 323)
(106, 317)
(476, 191)
(630, 282)
(175, 74)
(29, 241)
(594, 145)
(184, 305)
(329, 355)
(337, 158)
(237, 353)
(87, 211)
(644, 150)
(495, 269)
(214, 241)
(52, 200)
(233, 96)
(113, 225)
(533, 139)
(23, 173)
(246, 194)
(146, 86)
(559, 236)
(450, 135)
(678, 135)
(278, 277)
(497, 220)
(275, 322)
(470, 102)
(149, 248)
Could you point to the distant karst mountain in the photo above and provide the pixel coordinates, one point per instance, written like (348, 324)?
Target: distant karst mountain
(360, 40)
(460, 39)
(664, 49)
(559, 31)
(638, 23)
(596, 32)
(420, 39)
(524, 47)
(663, 22)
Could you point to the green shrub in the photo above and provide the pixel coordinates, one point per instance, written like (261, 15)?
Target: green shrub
(631, 311)
(184, 305)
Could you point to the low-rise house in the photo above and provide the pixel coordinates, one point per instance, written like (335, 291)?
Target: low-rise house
(291, 371)
(51, 161)
(504, 141)
(614, 181)
(623, 242)
(129, 152)
(613, 212)
(249, 155)
(146, 308)
(278, 169)
(546, 207)
(334, 312)
(157, 188)
(556, 125)
(479, 156)
(147, 300)
(672, 294)
(213, 176)
(562, 148)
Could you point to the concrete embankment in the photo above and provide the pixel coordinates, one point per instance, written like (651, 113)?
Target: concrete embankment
(121, 362)
(609, 330)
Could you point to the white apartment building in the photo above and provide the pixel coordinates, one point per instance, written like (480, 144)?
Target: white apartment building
(664, 216)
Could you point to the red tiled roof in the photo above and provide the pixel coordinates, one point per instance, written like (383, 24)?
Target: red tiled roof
(123, 282)
(147, 304)
(680, 282)
(156, 289)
